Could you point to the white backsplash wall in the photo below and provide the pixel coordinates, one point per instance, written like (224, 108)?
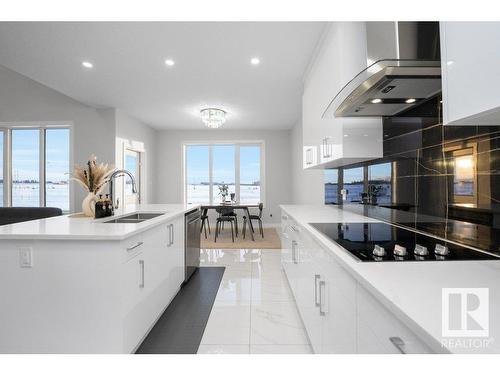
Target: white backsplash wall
(278, 156)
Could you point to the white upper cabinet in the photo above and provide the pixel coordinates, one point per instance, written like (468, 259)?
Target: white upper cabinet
(470, 61)
(341, 55)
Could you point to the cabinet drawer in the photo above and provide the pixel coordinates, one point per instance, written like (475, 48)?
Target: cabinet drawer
(380, 332)
(132, 246)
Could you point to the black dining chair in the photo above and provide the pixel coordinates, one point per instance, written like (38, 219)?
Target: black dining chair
(231, 213)
(224, 218)
(254, 217)
(205, 223)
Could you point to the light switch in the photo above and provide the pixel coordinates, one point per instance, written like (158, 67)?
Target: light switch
(26, 257)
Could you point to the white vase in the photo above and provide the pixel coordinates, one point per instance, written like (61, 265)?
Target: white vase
(88, 204)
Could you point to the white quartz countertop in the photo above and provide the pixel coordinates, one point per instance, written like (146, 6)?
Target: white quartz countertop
(413, 290)
(79, 227)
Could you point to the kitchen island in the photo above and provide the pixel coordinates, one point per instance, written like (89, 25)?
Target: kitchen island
(72, 284)
(349, 306)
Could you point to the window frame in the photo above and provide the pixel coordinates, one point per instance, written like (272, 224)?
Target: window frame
(237, 145)
(42, 126)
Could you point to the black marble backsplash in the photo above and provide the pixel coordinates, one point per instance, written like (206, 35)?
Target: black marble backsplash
(445, 175)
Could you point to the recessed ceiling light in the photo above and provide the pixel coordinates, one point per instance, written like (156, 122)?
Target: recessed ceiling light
(87, 64)
(169, 62)
(255, 61)
(346, 135)
(376, 101)
(450, 62)
(411, 100)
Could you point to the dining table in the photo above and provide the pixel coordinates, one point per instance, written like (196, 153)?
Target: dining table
(234, 206)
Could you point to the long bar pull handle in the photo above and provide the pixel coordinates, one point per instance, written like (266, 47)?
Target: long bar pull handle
(172, 235)
(294, 251)
(322, 287)
(398, 343)
(135, 246)
(141, 264)
(316, 294)
(169, 243)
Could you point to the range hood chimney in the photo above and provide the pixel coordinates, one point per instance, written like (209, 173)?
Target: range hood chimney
(404, 70)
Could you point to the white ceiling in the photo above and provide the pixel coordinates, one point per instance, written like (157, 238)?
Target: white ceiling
(212, 67)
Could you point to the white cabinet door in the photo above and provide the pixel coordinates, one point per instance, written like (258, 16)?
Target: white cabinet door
(470, 61)
(380, 332)
(309, 273)
(135, 319)
(337, 297)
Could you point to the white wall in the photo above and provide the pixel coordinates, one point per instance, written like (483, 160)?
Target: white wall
(277, 163)
(24, 100)
(142, 137)
(307, 184)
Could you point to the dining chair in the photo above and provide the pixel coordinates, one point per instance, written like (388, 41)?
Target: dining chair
(205, 223)
(228, 211)
(224, 219)
(254, 217)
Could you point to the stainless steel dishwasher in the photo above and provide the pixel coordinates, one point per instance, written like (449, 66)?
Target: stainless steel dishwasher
(192, 243)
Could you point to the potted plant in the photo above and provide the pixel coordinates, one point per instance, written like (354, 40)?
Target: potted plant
(92, 177)
(223, 191)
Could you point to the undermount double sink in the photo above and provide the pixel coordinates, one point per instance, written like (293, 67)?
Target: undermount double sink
(138, 217)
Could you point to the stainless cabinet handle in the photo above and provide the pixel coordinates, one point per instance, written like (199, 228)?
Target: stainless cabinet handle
(141, 264)
(316, 294)
(398, 343)
(172, 234)
(135, 246)
(294, 249)
(322, 287)
(284, 217)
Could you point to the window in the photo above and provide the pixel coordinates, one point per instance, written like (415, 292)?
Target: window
(197, 176)
(38, 172)
(380, 176)
(211, 165)
(354, 183)
(25, 168)
(223, 171)
(57, 168)
(250, 174)
(133, 165)
(331, 186)
(1, 167)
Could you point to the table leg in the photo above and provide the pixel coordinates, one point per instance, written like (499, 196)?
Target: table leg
(250, 225)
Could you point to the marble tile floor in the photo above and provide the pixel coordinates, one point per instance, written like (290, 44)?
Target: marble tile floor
(254, 310)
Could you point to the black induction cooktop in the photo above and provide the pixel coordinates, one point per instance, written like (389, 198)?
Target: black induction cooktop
(381, 242)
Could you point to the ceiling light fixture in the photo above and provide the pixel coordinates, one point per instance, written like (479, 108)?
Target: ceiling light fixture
(169, 62)
(87, 64)
(411, 100)
(213, 117)
(255, 61)
(376, 101)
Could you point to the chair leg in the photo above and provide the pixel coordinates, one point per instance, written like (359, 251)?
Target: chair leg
(232, 231)
(216, 230)
(261, 228)
(236, 225)
(204, 226)
(244, 230)
(208, 223)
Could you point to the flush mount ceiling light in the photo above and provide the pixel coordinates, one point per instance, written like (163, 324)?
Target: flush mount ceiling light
(255, 61)
(213, 117)
(376, 101)
(87, 64)
(411, 100)
(169, 62)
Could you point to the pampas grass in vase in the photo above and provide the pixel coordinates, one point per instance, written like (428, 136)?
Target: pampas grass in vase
(92, 177)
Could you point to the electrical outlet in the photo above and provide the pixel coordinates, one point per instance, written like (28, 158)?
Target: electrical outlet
(26, 257)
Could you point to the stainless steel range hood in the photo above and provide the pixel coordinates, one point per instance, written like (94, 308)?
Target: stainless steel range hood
(390, 86)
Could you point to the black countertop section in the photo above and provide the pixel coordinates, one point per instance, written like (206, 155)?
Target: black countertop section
(475, 235)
